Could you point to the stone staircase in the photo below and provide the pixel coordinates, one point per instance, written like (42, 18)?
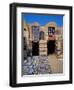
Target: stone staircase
(42, 47)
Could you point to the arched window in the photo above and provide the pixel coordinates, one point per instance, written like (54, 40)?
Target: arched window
(51, 30)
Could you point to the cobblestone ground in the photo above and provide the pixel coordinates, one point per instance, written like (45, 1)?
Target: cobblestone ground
(42, 65)
(36, 65)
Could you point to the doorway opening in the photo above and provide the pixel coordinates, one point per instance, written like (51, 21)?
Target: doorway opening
(51, 47)
(35, 48)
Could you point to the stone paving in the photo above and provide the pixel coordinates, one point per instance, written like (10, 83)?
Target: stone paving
(36, 65)
(55, 63)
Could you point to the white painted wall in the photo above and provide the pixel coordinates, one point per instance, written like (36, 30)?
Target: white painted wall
(4, 43)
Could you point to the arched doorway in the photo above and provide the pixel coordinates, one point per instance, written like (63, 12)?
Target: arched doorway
(51, 40)
(41, 35)
(35, 42)
(51, 47)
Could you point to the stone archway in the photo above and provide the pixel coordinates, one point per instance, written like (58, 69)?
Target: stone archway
(42, 35)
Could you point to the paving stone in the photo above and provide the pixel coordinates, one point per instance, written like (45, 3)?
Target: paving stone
(36, 65)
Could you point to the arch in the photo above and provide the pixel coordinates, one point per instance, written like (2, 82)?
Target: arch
(42, 36)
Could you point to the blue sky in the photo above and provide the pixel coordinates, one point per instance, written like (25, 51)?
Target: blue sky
(43, 19)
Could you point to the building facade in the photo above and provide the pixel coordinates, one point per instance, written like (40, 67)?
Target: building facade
(44, 40)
